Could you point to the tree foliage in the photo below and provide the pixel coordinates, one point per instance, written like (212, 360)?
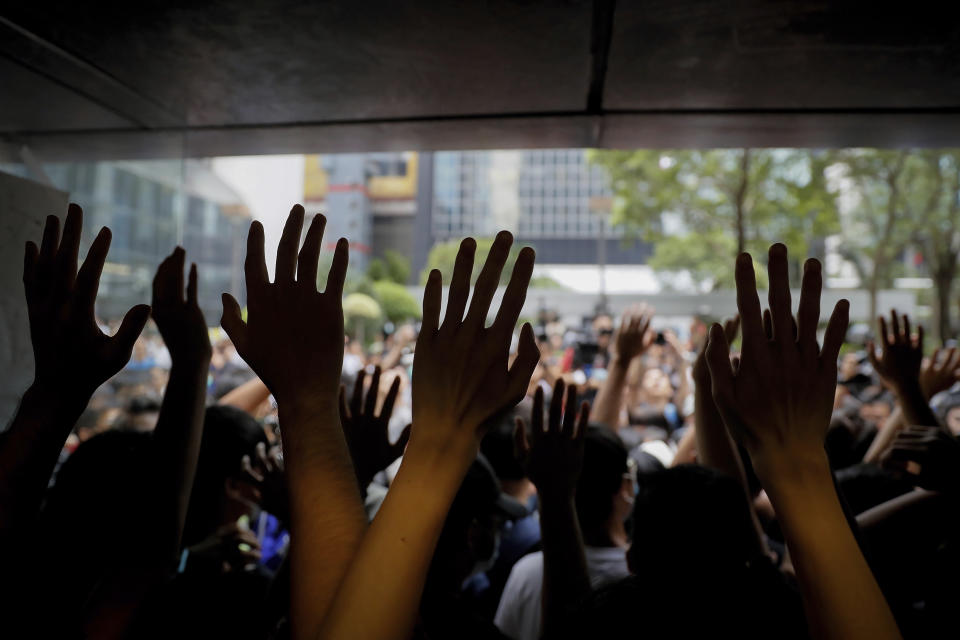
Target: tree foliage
(394, 267)
(397, 303)
(443, 255)
(701, 207)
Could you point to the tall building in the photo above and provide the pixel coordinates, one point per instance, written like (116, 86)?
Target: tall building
(151, 207)
(369, 198)
(552, 199)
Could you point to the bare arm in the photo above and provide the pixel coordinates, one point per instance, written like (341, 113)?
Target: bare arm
(248, 396)
(632, 339)
(71, 356)
(885, 436)
(779, 402)
(553, 460)
(460, 380)
(293, 340)
(899, 365)
(176, 439)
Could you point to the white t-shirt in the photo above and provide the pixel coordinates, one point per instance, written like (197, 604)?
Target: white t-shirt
(518, 615)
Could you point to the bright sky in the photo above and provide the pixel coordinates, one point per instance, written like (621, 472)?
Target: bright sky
(270, 186)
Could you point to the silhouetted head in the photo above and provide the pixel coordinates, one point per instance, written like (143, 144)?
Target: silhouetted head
(218, 488)
(605, 488)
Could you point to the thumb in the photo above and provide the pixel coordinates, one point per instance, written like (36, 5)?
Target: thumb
(232, 322)
(402, 441)
(121, 344)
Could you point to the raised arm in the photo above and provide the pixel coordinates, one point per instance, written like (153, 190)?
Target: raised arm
(553, 459)
(899, 365)
(72, 357)
(633, 338)
(460, 380)
(367, 432)
(176, 439)
(293, 340)
(778, 403)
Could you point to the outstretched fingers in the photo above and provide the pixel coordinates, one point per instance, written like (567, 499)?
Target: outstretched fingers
(88, 277)
(748, 303)
(460, 284)
(834, 336)
(255, 265)
(778, 296)
(528, 355)
(232, 322)
(721, 371)
(516, 292)
(488, 280)
(432, 299)
(309, 258)
(808, 311)
(287, 249)
(570, 412)
(338, 269)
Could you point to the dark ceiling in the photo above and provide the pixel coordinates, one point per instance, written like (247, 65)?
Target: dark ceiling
(152, 79)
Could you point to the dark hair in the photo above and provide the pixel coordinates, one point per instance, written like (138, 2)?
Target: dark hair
(697, 510)
(604, 463)
(228, 434)
(497, 444)
(866, 485)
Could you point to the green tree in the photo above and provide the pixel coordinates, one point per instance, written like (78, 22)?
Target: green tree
(443, 255)
(931, 200)
(394, 267)
(395, 301)
(703, 207)
(877, 228)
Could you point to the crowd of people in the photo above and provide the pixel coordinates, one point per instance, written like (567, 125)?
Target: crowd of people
(463, 478)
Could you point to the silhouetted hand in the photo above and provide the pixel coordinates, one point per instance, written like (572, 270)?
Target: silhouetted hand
(633, 336)
(265, 472)
(552, 459)
(70, 351)
(928, 456)
(230, 548)
(901, 353)
(701, 372)
(779, 400)
(180, 321)
(460, 372)
(940, 372)
(293, 336)
(367, 433)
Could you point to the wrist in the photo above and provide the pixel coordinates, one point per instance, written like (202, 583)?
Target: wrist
(791, 470)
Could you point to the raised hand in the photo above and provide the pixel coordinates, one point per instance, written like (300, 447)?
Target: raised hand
(553, 458)
(367, 433)
(928, 456)
(180, 321)
(70, 352)
(293, 340)
(899, 366)
(940, 372)
(293, 337)
(632, 339)
(901, 352)
(461, 378)
(460, 372)
(72, 358)
(701, 372)
(633, 336)
(265, 472)
(778, 402)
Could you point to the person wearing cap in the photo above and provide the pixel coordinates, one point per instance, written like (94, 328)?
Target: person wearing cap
(605, 493)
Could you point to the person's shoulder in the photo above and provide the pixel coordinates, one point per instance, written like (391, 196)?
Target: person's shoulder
(526, 576)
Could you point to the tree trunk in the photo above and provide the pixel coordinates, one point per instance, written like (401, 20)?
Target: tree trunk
(872, 291)
(943, 282)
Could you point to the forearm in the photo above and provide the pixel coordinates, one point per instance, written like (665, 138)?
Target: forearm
(29, 451)
(565, 578)
(248, 396)
(606, 406)
(885, 436)
(916, 407)
(717, 450)
(327, 519)
(176, 442)
(840, 595)
(380, 594)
